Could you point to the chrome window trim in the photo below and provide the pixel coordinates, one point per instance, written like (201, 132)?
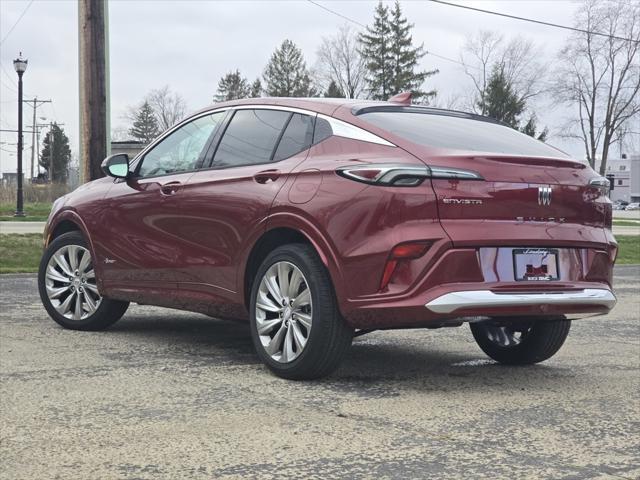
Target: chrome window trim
(343, 129)
(339, 128)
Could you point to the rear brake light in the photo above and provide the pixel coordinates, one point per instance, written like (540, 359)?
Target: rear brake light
(402, 175)
(601, 183)
(404, 251)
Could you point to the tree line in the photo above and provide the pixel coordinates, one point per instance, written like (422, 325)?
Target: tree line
(597, 76)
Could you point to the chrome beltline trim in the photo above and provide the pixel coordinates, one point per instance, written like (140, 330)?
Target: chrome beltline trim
(450, 302)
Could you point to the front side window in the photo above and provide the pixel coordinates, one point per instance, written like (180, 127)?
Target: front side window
(181, 150)
(250, 138)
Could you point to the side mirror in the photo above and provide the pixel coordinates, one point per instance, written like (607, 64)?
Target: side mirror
(116, 166)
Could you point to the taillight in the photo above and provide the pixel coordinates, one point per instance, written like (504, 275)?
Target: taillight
(402, 175)
(603, 184)
(404, 251)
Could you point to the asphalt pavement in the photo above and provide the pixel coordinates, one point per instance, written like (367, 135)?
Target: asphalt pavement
(173, 395)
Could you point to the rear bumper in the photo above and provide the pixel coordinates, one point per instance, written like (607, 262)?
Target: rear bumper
(486, 299)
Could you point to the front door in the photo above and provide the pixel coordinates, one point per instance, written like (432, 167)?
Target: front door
(142, 247)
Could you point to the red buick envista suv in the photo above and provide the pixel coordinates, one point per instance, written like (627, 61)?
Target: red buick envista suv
(318, 220)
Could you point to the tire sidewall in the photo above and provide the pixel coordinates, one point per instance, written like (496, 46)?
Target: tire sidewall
(72, 238)
(323, 305)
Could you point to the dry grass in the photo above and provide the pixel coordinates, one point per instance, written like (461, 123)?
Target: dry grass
(33, 193)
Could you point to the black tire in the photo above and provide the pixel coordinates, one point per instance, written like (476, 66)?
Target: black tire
(329, 338)
(540, 340)
(108, 311)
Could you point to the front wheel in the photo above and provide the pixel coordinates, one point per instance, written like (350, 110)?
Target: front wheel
(521, 341)
(67, 286)
(296, 327)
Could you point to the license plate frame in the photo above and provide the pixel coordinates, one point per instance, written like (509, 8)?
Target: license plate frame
(536, 264)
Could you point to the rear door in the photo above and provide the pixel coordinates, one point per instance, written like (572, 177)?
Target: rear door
(225, 205)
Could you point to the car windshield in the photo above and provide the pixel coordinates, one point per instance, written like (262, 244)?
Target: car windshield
(459, 133)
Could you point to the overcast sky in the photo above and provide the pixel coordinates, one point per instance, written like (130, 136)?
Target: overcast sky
(189, 45)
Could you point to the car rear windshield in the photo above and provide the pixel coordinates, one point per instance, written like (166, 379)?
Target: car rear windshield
(459, 133)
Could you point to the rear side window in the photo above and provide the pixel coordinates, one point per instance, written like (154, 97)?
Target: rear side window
(322, 131)
(250, 138)
(459, 133)
(297, 137)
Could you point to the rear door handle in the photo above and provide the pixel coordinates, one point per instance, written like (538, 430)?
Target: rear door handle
(267, 175)
(170, 188)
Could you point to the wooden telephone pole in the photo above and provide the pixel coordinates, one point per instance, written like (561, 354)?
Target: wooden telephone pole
(93, 43)
(35, 103)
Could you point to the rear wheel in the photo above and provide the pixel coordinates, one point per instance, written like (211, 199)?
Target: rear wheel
(67, 286)
(296, 327)
(523, 341)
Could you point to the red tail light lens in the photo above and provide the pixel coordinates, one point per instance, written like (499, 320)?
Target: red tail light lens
(402, 175)
(404, 251)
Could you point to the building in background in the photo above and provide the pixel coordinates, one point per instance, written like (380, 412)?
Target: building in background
(130, 147)
(624, 174)
(11, 178)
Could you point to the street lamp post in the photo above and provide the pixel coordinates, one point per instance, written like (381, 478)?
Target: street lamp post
(20, 65)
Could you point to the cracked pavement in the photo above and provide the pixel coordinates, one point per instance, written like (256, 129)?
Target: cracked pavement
(169, 394)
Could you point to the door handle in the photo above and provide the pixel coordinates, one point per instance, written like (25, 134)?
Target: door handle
(170, 188)
(267, 175)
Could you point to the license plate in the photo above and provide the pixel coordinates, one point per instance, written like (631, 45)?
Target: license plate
(535, 264)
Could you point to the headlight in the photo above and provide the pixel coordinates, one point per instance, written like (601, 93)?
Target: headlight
(601, 183)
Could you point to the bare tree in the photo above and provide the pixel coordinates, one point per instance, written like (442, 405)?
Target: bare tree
(517, 59)
(168, 107)
(339, 61)
(600, 75)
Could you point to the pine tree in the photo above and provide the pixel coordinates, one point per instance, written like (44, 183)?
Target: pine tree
(232, 86)
(500, 101)
(375, 48)
(145, 125)
(256, 89)
(405, 58)
(391, 58)
(530, 128)
(56, 147)
(334, 91)
(286, 74)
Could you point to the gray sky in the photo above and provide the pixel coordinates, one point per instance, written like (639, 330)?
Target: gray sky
(189, 45)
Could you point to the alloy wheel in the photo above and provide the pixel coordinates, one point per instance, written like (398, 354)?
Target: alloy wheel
(506, 336)
(70, 283)
(284, 312)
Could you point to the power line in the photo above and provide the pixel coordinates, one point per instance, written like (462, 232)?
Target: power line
(338, 14)
(17, 21)
(540, 22)
(355, 22)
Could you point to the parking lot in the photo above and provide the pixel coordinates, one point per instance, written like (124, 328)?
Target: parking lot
(167, 394)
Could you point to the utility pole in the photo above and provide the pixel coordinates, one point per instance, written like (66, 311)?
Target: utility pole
(94, 86)
(35, 103)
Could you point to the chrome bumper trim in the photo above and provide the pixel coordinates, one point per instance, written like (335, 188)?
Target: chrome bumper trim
(450, 302)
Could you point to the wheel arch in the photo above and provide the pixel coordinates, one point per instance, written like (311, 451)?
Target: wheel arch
(277, 236)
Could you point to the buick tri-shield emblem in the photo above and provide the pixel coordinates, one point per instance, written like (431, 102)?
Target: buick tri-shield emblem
(544, 195)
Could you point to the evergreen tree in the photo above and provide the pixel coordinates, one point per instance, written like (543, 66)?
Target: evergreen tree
(145, 125)
(56, 148)
(406, 57)
(391, 59)
(500, 101)
(256, 89)
(503, 103)
(232, 87)
(375, 48)
(286, 74)
(530, 128)
(334, 91)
